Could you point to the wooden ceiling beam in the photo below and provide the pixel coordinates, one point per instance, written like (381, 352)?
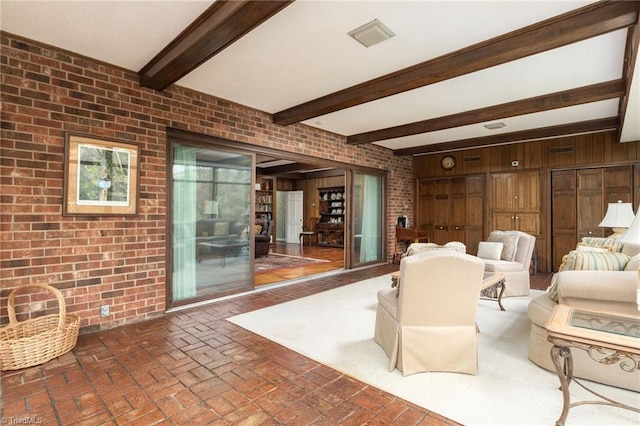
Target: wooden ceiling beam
(222, 24)
(590, 21)
(591, 126)
(566, 98)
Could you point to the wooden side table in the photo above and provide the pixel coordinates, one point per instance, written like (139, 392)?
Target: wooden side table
(608, 338)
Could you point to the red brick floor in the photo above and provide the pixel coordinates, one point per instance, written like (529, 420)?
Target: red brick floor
(193, 367)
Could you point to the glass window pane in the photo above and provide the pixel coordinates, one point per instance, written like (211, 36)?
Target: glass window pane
(211, 209)
(367, 200)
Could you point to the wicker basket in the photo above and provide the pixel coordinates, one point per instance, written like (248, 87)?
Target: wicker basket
(37, 340)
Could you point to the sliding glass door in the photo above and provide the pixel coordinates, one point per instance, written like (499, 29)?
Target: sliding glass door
(210, 211)
(368, 218)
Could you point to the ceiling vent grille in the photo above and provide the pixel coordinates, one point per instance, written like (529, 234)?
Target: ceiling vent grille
(559, 149)
(372, 33)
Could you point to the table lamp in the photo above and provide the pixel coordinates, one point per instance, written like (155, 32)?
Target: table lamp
(632, 236)
(619, 216)
(211, 208)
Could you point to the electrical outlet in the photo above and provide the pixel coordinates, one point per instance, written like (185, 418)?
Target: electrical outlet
(104, 311)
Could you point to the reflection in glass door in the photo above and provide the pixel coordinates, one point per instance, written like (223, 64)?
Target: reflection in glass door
(368, 195)
(210, 211)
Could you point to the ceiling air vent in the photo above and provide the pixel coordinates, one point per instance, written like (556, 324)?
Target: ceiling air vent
(559, 149)
(372, 33)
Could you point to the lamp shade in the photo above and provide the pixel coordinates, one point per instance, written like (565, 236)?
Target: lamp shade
(619, 215)
(632, 236)
(210, 207)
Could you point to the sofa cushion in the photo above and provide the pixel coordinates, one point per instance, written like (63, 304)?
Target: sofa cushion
(631, 249)
(633, 264)
(221, 229)
(611, 243)
(509, 239)
(491, 265)
(490, 250)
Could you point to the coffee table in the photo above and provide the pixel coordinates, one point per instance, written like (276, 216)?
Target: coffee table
(608, 338)
(494, 281)
(223, 249)
(490, 280)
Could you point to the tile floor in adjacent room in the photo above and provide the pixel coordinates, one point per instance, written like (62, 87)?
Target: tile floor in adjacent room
(193, 367)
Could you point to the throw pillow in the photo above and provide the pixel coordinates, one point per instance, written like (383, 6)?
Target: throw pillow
(584, 247)
(415, 248)
(490, 250)
(594, 261)
(553, 289)
(588, 260)
(611, 243)
(509, 239)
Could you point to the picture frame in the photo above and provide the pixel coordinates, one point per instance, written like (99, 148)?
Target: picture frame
(100, 176)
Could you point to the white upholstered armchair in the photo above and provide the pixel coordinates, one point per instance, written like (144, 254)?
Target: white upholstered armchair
(509, 252)
(429, 324)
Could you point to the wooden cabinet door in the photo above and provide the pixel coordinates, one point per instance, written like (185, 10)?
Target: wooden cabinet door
(457, 208)
(516, 202)
(618, 185)
(527, 194)
(563, 217)
(503, 221)
(452, 209)
(442, 211)
(474, 212)
(503, 191)
(528, 222)
(590, 202)
(426, 205)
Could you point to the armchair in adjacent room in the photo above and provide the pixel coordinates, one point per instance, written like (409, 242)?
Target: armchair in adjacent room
(263, 238)
(429, 323)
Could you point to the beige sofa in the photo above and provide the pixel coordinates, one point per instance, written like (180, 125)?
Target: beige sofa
(613, 291)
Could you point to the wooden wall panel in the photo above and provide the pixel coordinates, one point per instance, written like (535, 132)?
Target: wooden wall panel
(572, 152)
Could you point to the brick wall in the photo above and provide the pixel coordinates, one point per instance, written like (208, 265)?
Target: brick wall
(119, 261)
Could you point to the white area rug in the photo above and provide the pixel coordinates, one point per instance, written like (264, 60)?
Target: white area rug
(335, 328)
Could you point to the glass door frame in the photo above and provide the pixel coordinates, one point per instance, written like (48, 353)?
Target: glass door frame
(350, 249)
(175, 137)
(214, 142)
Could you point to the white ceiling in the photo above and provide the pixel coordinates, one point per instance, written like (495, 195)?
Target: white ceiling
(304, 52)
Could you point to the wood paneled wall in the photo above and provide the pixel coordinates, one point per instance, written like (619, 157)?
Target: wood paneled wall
(575, 152)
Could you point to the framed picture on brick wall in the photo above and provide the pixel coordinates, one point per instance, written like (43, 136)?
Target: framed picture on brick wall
(100, 177)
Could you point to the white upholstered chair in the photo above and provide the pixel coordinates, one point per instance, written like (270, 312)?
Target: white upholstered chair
(513, 260)
(429, 324)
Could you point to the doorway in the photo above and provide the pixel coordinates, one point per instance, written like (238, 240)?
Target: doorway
(293, 214)
(212, 196)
